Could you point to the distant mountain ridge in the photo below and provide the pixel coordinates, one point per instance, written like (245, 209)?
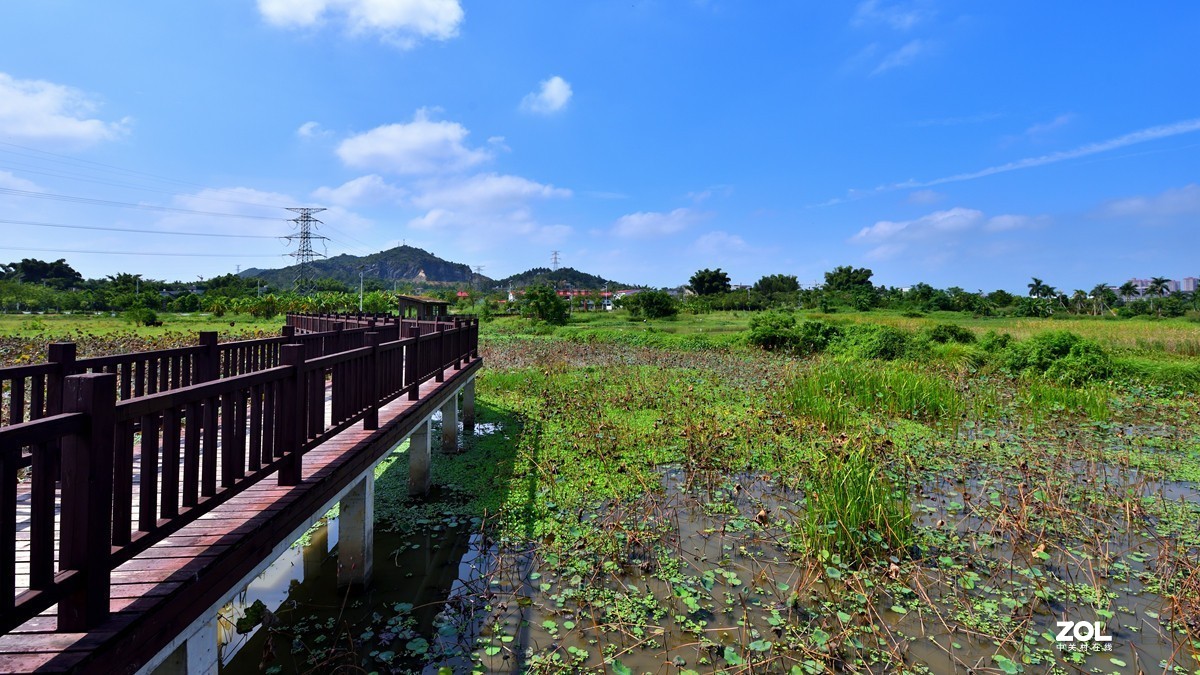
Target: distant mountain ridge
(413, 265)
(403, 263)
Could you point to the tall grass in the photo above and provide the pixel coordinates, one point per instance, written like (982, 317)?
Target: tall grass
(1038, 398)
(835, 393)
(853, 509)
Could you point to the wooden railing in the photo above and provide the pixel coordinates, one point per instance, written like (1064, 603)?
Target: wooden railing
(135, 470)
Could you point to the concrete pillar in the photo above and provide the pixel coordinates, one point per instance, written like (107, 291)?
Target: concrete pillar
(419, 460)
(468, 407)
(450, 425)
(202, 650)
(356, 532)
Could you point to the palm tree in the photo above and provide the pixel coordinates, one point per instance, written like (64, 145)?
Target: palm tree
(1158, 286)
(1100, 294)
(1129, 290)
(1037, 289)
(1078, 301)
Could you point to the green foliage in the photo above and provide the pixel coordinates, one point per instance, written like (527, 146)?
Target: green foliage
(949, 332)
(779, 331)
(651, 305)
(709, 282)
(835, 394)
(777, 283)
(1059, 355)
(773, 331)
(57, 274)
(1033, 307)
(543, 304)
(853, 510)
(994, 342)
(875, 341)
(848, 279)
(141, 316)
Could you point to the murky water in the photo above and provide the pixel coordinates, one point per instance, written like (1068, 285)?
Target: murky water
(703, 577)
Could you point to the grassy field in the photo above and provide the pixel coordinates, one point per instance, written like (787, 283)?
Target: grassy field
(103, 323)
(661, 497)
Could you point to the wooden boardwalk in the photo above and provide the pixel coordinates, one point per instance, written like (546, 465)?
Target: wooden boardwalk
(204, 468)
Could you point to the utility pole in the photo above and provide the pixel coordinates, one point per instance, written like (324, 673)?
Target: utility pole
(304, 253)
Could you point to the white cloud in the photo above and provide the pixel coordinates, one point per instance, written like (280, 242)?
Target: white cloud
(1174, 202)
(10, 182)
(655, 224)
(400, 22)
(483, 211)
(423, 146)
(1004, 223)
(310, 130)
(1043, 128)
(925, 197)
(939, 234)
(901, 57)
(719, 190)
(362, 190)
(552, 96)
(897, 16)
(40, 111)
(718, 242)
(938, 222)
(1133, 138)
(484, 192)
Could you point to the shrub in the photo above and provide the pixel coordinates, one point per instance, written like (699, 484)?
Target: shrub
(543, 304)
(1060, 355)
(994, 342)
(652, 305)
(141, 316)
(773, 331)
(948, 332)
(873, 341)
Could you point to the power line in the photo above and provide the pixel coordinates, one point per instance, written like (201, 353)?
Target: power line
(304, 253)
(172, 254)
(140, 231)
(145, 207)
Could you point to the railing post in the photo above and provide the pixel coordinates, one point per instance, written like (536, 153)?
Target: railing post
(289, 332)
(208, 360)
(339, 337)
(440, 352)
(87, 483)
(371, 419)
(412, 363)
(292, 409)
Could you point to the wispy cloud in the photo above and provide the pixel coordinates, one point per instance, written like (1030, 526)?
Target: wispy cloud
(903, 56)
(655, 223)
(1132, 138)
(402, 23)
(899, 16)
(552, 96)
(940, 232)
(1184, 201)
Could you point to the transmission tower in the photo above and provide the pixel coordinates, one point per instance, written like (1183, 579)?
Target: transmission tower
(304, 253)
(554, 261)
(478, 275)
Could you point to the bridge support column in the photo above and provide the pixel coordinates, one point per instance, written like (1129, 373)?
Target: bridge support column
(468, 407)
(419, 460)
(450, 425)
(356, 532)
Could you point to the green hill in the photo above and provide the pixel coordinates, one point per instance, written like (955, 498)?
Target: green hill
(403, 263)
(562, 278)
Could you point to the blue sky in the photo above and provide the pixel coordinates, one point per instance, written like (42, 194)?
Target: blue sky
(969, 144)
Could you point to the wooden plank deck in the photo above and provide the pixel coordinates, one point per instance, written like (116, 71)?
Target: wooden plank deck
(161, 591)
